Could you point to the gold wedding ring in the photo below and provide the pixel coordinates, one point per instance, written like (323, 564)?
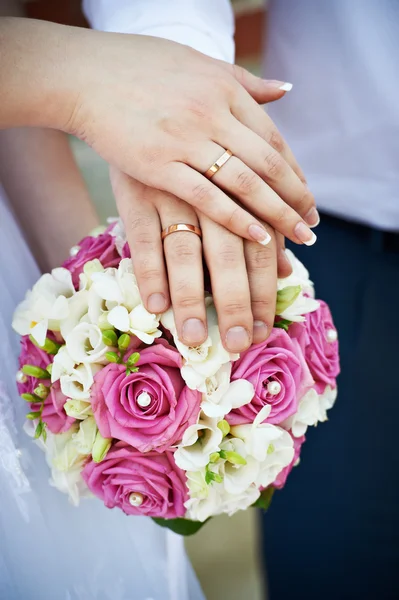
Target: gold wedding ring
(181, 227)
(218, 164)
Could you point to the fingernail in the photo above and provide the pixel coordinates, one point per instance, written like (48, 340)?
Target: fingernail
(286, 87)
(304, 234)
(260, 329)
(312, 218)
(193, 331)
(156, 303)
(259, 234)
(237, 339)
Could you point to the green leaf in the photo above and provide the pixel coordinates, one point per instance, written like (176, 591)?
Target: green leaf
(123, 342)
(210, 476)
(44, 433)
(39, 430)
(49, 346)
(265, 499)
(286, 297)
(181, 526)
(110, 338)
(112, 357)
(36, 372)
(233, 457)
(283, 324)
(30, 398)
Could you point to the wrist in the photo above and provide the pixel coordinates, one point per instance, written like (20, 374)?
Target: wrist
(37, 77)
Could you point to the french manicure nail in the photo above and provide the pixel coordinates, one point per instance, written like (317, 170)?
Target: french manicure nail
(259, 234)
(286, 87)
(304, 234)
(156, 303)
(237, 339)
(312, 218)
(193, 331)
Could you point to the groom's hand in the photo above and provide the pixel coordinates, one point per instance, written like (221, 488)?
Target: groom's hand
(243, 274)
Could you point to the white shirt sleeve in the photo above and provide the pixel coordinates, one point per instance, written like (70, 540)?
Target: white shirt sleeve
(205, 25)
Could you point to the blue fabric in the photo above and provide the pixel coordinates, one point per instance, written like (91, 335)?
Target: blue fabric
(333, 531)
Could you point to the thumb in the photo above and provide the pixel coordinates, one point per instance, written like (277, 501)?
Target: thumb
(261, 90)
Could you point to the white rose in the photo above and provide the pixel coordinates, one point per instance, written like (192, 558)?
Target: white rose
(222, 395)
(85, 344)
(198, 443)
(45, 306)
(78, 409)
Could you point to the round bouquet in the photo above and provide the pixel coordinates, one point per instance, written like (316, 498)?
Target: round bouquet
(127, 413)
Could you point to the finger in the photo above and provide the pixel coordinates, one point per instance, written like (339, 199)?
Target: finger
(186, 183)
(253, 116)
(284, 268)
(262, 274)
(271, 166)
(143, 230)
(224, 256)
(256, 195)
(183, 254)
(262, 90)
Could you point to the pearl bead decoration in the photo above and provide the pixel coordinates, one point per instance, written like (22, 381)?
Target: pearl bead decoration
(144, 399)
(332, 335)
(21, 377)
(74, 251)
(274, 388)
(136, 499)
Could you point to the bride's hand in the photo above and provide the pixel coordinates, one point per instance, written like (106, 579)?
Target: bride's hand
(164, 113)
(243, 274)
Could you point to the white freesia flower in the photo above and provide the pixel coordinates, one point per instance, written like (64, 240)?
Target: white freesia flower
(119, 233)
(139, 322)
(84, 438)
(77, 384)
(301, 306)
(271, 446)
(85, 344)
(299, 276)
(45, 306)
(222, 395)
(237, 478)
(78, 409)
(312, 409)
(65, 461)
(198, 443)
(63, 364)
(204, 361)
(77, 310)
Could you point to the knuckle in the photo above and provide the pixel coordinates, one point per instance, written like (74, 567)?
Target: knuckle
(275, 165)
(189, 301)
(260, 259)
(199, 108)
(276, 141)
(246, 182)
(236, 307)
(263, 306)
(202, 194)
(305, 202)
(233, 218)
(228, 256)
(145, 272)
(282, 215)
(181, 250)
(140, 223)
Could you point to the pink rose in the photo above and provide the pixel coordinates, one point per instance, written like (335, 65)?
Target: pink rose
(149, 409)
(282, 476)
(140, 484)
(318, 340)
(101, 247)
(53, 412)
(277, 363)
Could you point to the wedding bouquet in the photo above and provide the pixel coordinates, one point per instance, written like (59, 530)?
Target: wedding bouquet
(125, 412)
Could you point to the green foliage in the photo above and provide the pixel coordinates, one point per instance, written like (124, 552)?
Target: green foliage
(181, 526)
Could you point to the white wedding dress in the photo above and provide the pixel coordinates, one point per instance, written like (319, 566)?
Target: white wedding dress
(50, 550)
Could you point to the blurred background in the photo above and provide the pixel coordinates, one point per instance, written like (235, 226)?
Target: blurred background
(225, 552)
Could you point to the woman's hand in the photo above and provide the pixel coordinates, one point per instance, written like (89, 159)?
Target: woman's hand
(243, 274)
(163, 113)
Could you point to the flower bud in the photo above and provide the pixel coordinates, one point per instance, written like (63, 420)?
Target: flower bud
(233, 457)
(112, 357)
(100, 448)
(42, 391)
(103, 322)
(92, 266)
(214, 457)
(133, 359)
(110, 338)
(211, 476)
(36, 372)
(30, 398)
(270, 449)
(123, 342)
(286, 297)
(33, 415)
(49, 346)
(78, 409)
(224, 427)
(97, 231)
